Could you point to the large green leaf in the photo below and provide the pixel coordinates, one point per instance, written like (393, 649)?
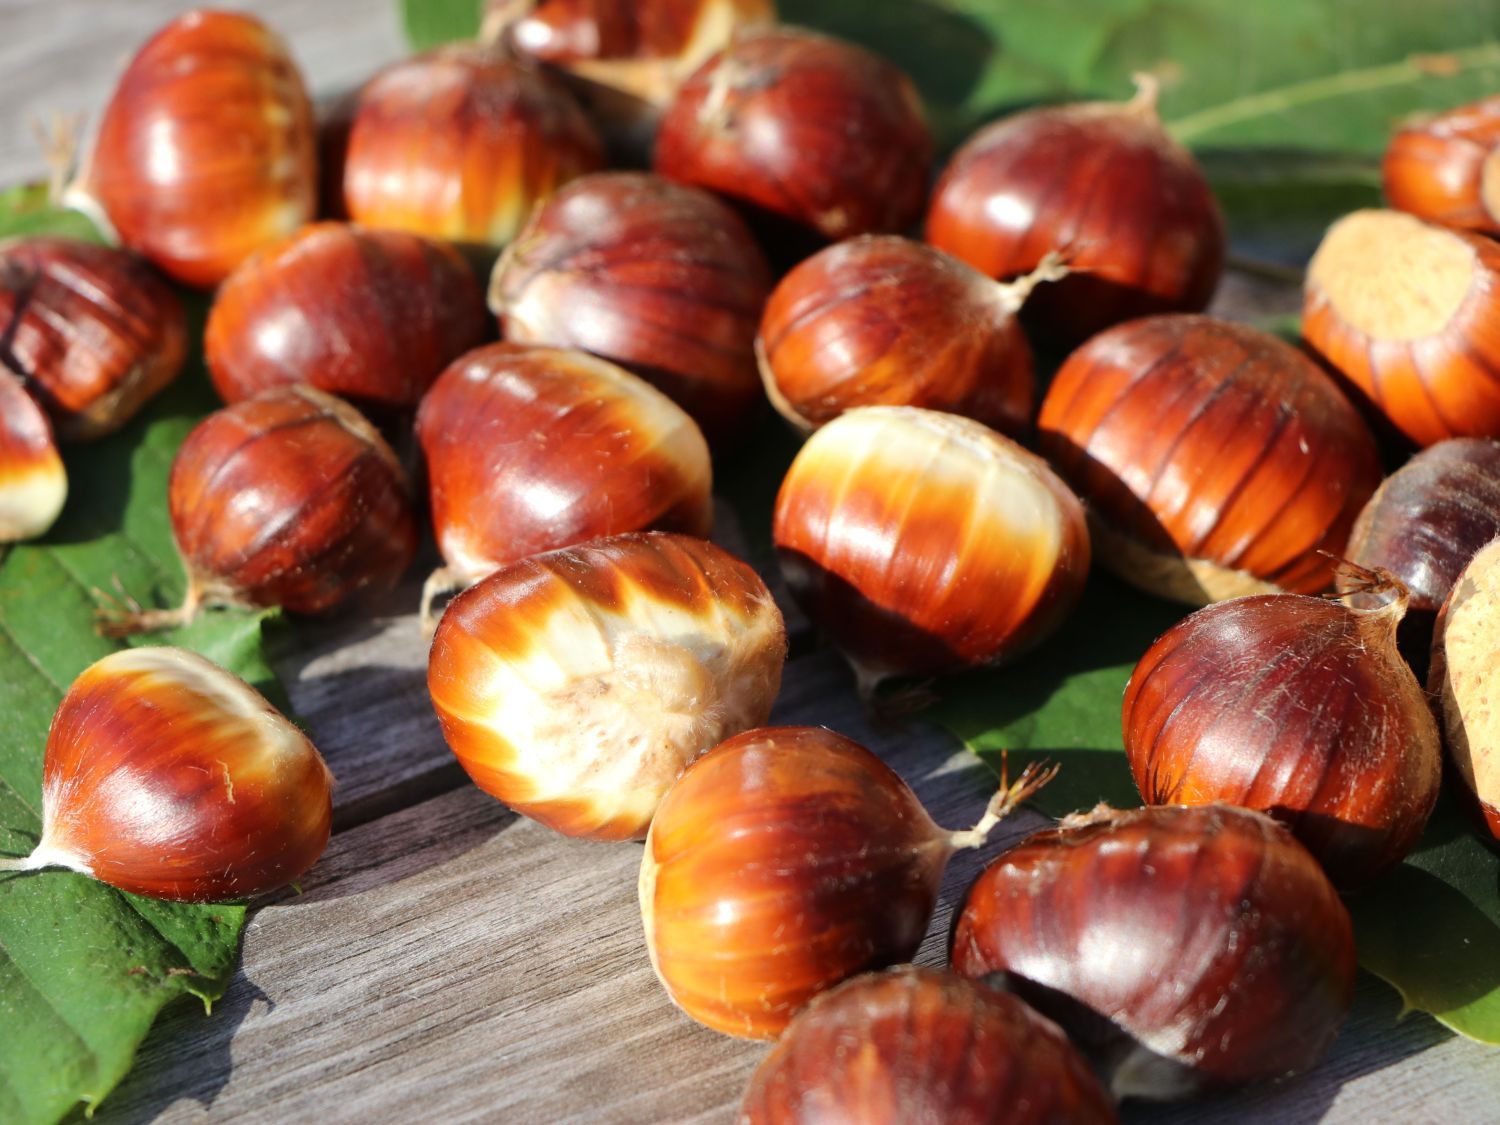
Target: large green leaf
(84, 969)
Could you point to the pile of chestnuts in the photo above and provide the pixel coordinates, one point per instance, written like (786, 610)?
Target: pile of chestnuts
(608, 671)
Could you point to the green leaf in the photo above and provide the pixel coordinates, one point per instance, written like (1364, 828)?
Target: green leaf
(431, 23)
(84, 968)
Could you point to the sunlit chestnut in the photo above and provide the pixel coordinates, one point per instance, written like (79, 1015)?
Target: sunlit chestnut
(925, 1045)
(1216, 460)
(1406, 311)
(812, 129)
(1184, 949)
(94, 331)
(206, 151)
(167, 776)
(530, 449)
(33, 481)
(784, 861)
(1103, 183)
(461, 143)
(575, 685)
(372, 316)
(661, 278)
(1446, 167)
(924, 542)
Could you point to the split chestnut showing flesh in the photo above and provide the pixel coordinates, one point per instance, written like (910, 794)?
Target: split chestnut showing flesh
(812, 129)
(1298, 707)
(287, 499)
(461, 143)
(93, 330)
(1130, 210)
(784, 861)
(1216, 460)
(369, 315)
(575, 685)
(1185, 950)
(1446, 168)
(166, 776)
(33, 481)
(924, 542)
(661, 278)
(923, 1045)
(1406, 310)
(207, 149)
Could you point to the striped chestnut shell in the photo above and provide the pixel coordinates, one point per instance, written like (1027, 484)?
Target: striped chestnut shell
(1216, 460)
(575, 685)
(207, 150)
(1446, 168)
(33, 481)
(93, 330)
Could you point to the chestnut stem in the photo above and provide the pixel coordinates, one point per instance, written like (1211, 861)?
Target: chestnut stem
(128, 619)
(1147, 92)
(59, 141)
(1053, 267)
(1004, 802)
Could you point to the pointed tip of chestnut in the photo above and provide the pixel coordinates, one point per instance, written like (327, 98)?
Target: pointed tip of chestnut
(33, 481)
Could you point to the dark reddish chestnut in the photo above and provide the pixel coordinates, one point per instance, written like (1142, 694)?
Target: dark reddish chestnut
(1407, 312)
(287, 499)
(461, 143)
(1216, 460)
(33, 482)
(660, 278)
(808, 128)
(369, 315)
(1103, 183)
(1446, 168)
(93, 331)
(1184, 949)
(207, 149)
(1299, 707)
(784, 861)
(923, 1045)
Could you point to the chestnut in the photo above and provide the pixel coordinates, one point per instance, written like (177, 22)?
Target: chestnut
(1103, 183)
(1404, 309)
(206, 151)
(812, 129)
(661, 278)
(1299, 707)
(1446, 167)
(461, 143)
(290, 499)
(530, 449)
(1184, 949)
(883, 320)
(1216, 460)
(167, 776)
(33, 481)
(784, 861)
(923, 542)
(372, 316)
(918, 1044)
(576, 684)
(93, 330)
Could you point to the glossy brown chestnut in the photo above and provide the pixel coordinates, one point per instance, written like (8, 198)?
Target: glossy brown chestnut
(33, 482)
(1298, 707)
(461, 143)
(207, 149)
(784, 861)
(92, 330)
(1423, 525)
(812, 129)
(924, 542)
(1103, 183)
(166, 776)
(1463, 680)
(661, 278)
(882, 320)
(287, 499)
(530, 449)
(1410, 314)
(923, 1045)
(1446, 168)
(1184, 949)
(1216, 460)
(575, 685)
(370, 315)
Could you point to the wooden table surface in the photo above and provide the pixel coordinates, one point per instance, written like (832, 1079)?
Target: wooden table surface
(450, 961)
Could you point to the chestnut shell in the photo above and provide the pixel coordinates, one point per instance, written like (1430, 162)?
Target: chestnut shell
(1446, 168)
